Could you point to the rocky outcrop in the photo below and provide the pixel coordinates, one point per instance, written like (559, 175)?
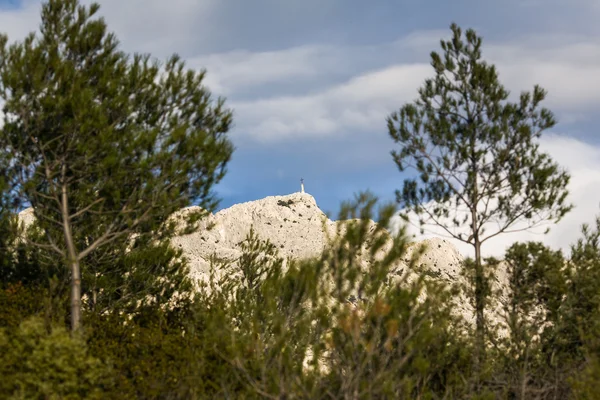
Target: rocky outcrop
(299, 229)
(293, 223)
(26, 217)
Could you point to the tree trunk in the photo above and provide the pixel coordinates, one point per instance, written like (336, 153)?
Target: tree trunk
(524, 375)
(72, 259)
(479, 278)
(75, 295)
(479, 303)
(479, 293)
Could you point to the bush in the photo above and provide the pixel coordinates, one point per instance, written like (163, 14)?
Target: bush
(335, 326)
(37, 364)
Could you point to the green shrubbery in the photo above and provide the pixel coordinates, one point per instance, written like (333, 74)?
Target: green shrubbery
(37, 363)
(320, 328)
(107, 147)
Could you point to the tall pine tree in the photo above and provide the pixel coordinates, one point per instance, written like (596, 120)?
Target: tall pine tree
(476, 155)
(102, 145)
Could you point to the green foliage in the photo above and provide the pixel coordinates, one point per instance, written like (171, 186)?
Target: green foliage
(290, 329)
(584, 284)
(536, 284)
(151, 356)
(473, 150)
(30, 284)
(574, 342)
(19, 262)
(552, 320)
(476, 156)
(18, 302)
(586, 384)
(127, 130)
(104, 146)
(37, 364)
(146, 275)
(340, 325)
(536, 277)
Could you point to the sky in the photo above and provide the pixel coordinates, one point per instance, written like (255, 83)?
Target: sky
(311, 83)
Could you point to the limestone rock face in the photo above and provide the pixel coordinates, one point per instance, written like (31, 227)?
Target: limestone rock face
(441, 258)
(298, 228)
(26, 217)
(295, 225)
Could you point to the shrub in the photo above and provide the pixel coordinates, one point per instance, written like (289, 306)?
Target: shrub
(37, 364)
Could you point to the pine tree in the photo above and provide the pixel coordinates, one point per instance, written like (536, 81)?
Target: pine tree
(476, 155)
(104, 146)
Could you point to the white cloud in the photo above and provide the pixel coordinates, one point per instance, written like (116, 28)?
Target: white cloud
(362, 103)
(152, 26)
(160, 27)
(587, 4)
(228, 72)
(582, 161)
(18, 23)
(567, 66)
(240, 69)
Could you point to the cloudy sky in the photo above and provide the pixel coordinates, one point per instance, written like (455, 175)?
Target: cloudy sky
(311, 82)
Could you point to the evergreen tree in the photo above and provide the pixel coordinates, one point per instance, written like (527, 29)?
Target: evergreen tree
(476, 155)
(104, 146)
(536, 287)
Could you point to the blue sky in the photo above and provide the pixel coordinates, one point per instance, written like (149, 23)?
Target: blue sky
(311, 82)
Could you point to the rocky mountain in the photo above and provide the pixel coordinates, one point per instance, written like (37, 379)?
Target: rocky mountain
(298, 228)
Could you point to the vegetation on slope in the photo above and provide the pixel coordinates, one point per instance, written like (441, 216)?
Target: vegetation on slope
(106, 147)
